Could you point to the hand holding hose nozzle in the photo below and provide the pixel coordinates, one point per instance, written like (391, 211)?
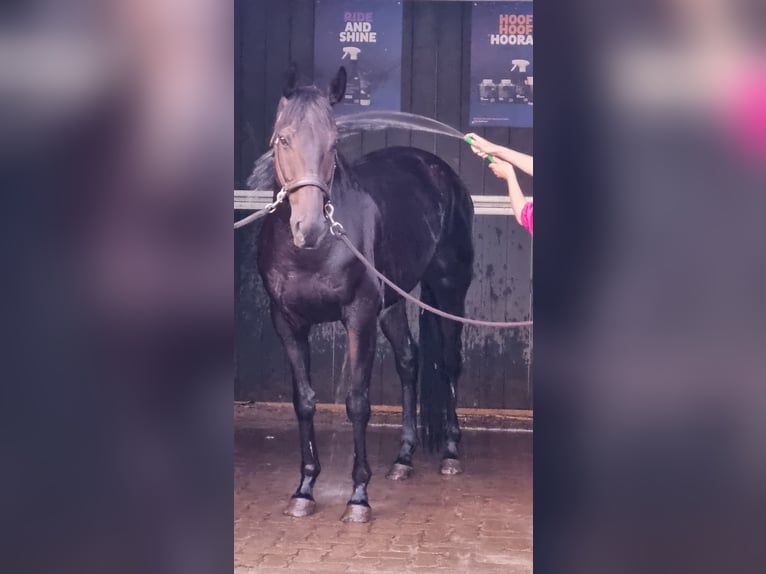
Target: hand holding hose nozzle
(477, 150)
(496, 153)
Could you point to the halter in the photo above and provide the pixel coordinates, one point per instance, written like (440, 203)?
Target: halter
(289, 186)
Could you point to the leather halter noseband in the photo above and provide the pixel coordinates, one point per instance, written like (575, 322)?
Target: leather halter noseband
(314, 180)
(306, 181)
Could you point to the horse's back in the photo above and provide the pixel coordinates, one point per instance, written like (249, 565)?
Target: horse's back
(422, 202)
(411, 185)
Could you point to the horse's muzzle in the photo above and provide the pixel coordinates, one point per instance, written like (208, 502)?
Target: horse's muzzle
(308, 235)
(307, 220)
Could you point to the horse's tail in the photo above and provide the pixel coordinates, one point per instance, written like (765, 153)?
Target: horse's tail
(434, 384)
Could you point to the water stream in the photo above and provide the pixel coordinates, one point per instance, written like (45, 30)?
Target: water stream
(352, 124)
(357, 123)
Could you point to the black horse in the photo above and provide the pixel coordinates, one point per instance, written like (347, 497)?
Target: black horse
(408, 212)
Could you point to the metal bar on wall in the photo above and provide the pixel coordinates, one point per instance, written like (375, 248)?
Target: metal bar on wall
(466, 1)
(483, 204)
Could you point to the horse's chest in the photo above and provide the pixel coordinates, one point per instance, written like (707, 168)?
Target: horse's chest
(314, 296)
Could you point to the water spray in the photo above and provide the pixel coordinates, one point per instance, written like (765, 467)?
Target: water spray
(351, 124)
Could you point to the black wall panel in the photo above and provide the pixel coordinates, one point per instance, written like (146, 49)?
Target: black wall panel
(435, 72)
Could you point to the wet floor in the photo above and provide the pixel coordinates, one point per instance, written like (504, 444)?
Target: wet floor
(478, 522)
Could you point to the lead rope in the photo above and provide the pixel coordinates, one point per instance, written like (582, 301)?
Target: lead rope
(337, 230)
(270, 208)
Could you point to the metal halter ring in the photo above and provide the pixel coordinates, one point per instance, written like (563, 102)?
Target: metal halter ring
(335, 228)
(272, 207)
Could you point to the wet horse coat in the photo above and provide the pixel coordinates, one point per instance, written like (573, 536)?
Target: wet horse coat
(408, 212)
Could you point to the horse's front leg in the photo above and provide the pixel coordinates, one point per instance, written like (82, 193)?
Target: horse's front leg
(296, 343)
(360, 320)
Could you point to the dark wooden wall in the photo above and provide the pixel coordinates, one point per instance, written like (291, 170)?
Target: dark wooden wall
(435, 73)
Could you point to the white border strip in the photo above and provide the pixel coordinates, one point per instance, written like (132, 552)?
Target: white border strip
(462, 428)
(250, 200)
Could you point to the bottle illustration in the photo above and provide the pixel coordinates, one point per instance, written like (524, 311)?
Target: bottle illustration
(357, 90)
(530, 90)
(364, 91)
(519, 79)
(506, 92)
(488, 90)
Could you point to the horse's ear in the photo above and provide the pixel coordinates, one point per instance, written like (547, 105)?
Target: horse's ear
(338, 86)
(291, 80)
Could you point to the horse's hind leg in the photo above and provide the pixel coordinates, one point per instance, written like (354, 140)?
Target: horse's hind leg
(394, 324)
(296, 345)
(450, 296)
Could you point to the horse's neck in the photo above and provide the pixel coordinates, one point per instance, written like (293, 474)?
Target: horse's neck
(344, 180)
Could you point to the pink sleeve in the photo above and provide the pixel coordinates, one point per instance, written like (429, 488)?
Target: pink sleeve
(526, 216)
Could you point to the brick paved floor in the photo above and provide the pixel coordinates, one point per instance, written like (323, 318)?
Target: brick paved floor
(478, 522)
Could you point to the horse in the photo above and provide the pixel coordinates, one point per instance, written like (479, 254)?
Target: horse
(410, 215)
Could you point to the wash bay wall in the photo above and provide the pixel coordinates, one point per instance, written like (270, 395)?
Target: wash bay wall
(435, 82)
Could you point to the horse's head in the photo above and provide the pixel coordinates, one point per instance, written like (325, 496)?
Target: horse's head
(304, 153)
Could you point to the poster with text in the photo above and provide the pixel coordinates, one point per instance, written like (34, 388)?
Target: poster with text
(502, 73)
(364, 36)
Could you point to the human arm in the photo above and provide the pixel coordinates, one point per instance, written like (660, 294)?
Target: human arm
(484, 148)
(505, 171)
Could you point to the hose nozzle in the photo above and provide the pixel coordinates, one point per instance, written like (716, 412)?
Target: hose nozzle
(469, 141)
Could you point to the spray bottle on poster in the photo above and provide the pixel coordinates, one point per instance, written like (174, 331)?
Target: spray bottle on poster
(519, 78)
(488, 90)
(357, 89)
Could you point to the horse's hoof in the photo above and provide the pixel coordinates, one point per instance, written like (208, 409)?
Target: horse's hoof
(356, 513)
(451, 466)
(399, 472)
(300, 507)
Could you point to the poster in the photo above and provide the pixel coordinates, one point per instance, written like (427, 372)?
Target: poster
(502, 73)
(364, 36)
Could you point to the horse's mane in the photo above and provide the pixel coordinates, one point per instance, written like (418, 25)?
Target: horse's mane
(263, 176)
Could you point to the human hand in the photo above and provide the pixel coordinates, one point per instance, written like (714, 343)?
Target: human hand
(502, 169)
(481, 146)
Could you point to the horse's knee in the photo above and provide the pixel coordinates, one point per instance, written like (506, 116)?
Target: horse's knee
(305, 405)
(358, 406)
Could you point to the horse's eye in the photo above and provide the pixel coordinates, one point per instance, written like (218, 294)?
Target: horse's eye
(283, 140)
